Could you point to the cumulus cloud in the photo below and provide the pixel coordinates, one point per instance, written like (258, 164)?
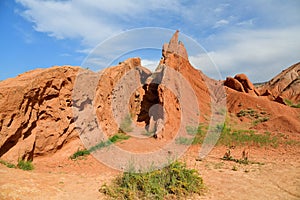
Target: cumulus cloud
(259, 53)
(91, 21)
(67, 20)
(240, 36)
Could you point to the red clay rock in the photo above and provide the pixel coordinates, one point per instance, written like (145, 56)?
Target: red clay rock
(286, 84)
(36, 113)
(243, 79)
(174, 47)
(108, 86)
(178, 60)
(241, 83)
(234, 84)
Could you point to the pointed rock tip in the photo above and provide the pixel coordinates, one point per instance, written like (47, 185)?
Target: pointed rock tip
(174, 47)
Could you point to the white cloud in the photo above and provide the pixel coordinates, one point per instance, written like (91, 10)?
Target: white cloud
(91, 21)
(66, 19)
(260, 54)
(221, 22)
(150, 64)
(254, 39)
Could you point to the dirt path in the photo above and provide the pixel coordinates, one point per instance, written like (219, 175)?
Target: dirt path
(276, 177)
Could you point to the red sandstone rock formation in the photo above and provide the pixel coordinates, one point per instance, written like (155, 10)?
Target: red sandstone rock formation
(36, 112)
(241, 83)
(285, 85)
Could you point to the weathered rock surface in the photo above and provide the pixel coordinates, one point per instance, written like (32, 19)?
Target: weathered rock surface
(175, 57)
(36, 112)
(234, 84)
(285, 85)
(241, 83)
(124, 80)
(174, 47)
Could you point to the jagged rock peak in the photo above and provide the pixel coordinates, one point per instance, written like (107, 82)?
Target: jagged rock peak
(174, 47)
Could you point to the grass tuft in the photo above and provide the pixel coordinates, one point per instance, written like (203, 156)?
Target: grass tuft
(118, 137)
(291, 104)
(114, 139)
(80, 153)
(25, 165)
(175, 179)
(7, 164)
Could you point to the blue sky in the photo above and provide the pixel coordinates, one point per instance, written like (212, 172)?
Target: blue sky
(256, 37)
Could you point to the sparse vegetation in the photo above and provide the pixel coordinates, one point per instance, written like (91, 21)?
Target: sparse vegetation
(257, 117)
(80, 153)
(260, 120)
(25, 165)
(22, 164)
(175, 180)
(244, 160)
(114, 139)
(249, 112)
(118, 137)
(184, 140)
(197, 132)
(291, 104)
(7, 164)
(234, 168)
(230, 137)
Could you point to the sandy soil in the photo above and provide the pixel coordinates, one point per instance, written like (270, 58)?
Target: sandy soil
(276, 177)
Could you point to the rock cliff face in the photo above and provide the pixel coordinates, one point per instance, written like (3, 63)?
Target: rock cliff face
(109, 106)
(175, 56)
(36, 112)
(285, 85)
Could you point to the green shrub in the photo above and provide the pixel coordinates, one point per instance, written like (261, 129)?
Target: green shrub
(25, 165)
(174, 179)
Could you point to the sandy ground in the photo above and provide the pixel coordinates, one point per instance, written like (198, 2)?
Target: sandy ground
(276, 177)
